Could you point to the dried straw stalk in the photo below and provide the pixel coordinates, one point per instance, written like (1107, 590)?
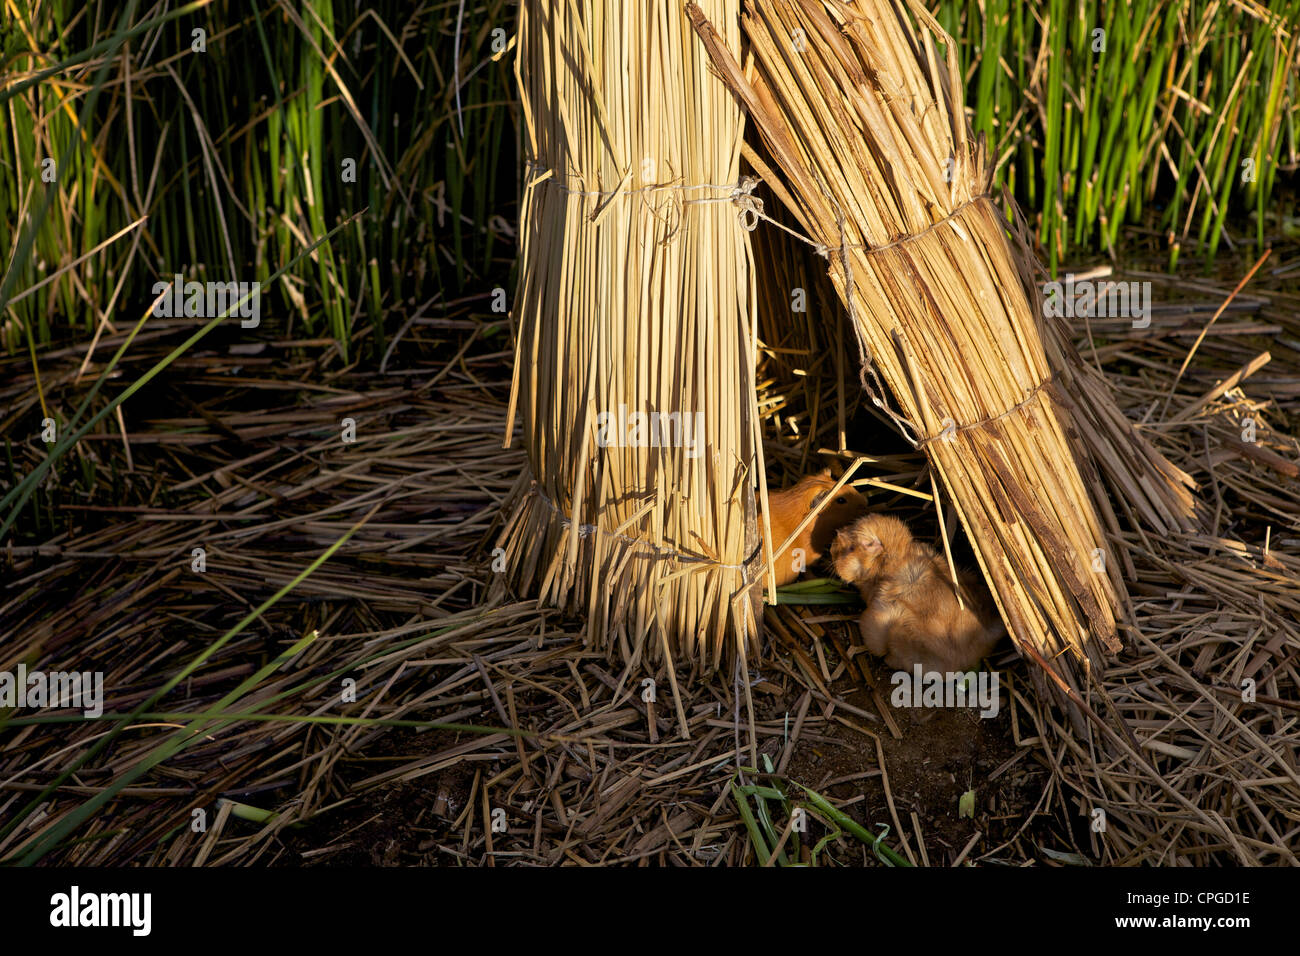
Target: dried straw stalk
(866, 125)
(634, 289)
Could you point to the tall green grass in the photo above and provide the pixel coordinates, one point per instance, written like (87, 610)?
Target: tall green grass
(232, 160)
(1161, 119)
(224, 164)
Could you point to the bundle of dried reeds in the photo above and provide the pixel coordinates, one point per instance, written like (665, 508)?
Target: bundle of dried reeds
(635, 358)
(865, 122)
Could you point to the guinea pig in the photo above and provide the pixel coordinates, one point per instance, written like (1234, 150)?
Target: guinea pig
(790, 506)
(913, 615)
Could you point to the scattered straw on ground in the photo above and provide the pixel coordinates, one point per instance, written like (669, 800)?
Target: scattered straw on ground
(241, 455)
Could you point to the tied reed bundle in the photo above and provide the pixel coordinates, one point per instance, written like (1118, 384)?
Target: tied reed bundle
(634, 298)
(866, 125)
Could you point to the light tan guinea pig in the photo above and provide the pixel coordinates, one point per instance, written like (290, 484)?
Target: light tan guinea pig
(913, 615)
(791, 505)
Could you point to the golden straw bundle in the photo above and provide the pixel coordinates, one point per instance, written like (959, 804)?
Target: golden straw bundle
(635, 346)
(866, 125)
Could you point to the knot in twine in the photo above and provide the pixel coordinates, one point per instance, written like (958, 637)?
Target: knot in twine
(751, 207)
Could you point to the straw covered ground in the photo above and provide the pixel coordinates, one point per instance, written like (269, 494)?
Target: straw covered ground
(557, 746)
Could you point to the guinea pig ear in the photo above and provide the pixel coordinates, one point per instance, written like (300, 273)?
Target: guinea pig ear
(817, 499)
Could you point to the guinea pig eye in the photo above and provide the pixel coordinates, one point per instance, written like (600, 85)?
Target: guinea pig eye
(841, 500)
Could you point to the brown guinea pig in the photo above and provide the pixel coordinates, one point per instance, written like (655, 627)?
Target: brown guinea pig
(913, 615)
(791, 505)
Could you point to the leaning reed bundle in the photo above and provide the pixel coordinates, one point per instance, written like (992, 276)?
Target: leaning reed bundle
(634, 299)
(866, 125)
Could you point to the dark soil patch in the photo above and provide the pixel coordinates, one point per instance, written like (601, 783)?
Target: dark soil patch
(942, 753)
